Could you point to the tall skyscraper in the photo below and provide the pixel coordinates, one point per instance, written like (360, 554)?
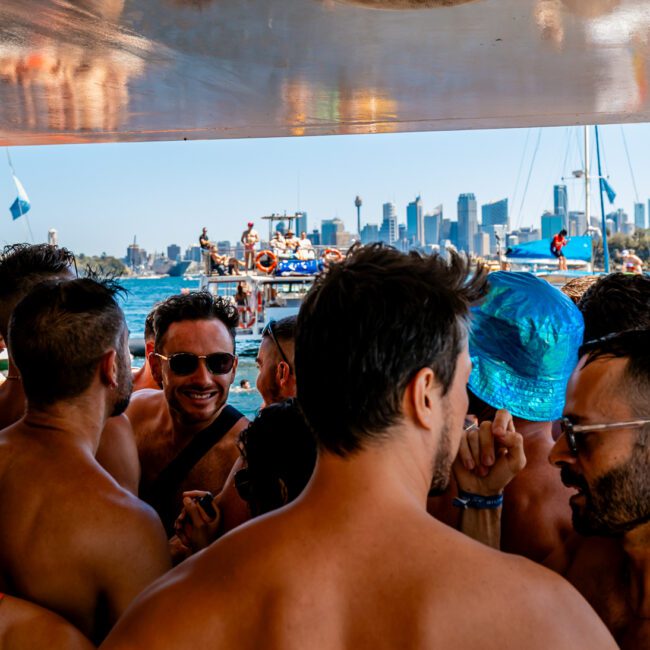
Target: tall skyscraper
(329, 228)
(370, 233)
(388, 232)
(551, 225)
(432, 227)
(415, 222)
(467, 222)
(639, 215)
(560, 203)
(494, 214)
(301, 223)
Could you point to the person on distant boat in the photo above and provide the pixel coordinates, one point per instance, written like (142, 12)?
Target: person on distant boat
(143, 378)
(25, 626)
(249, 238)
(631, 263)
(205, 244)
(186, 433)
(278, 244)
(276, 378)
(355, 561)
(305, 250)
(76, 542)
(292, 242)
(217, 262)
(22, 267)
(558, 242)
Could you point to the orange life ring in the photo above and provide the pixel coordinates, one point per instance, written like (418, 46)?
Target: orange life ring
(333, 252)
(266, 269)
(246, 317)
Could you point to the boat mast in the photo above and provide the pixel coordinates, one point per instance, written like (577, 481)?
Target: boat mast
(587, 179)
(602, 206)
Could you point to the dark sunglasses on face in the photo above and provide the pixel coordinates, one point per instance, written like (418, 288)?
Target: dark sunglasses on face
(185, 363)
(569, 430)
(268, 330)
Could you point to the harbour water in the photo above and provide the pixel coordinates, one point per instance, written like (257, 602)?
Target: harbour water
(143, 293)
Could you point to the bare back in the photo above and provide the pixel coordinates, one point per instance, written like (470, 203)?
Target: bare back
(342, 577)
(75, 542)
(158, 444)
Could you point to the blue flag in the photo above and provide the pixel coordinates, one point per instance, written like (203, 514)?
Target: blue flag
(608, 189)
(21, 205)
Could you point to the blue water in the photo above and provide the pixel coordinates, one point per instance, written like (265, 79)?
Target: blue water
(144, 293)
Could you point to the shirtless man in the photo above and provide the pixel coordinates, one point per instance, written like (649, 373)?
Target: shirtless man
(249, 238)
(194, 362)
(23, 266)
(143, 378)
(524, 346)
(276, 380)
(76, 542)
(356, 561)
(609, 560)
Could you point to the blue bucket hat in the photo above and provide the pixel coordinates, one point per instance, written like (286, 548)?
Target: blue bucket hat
(523, 343)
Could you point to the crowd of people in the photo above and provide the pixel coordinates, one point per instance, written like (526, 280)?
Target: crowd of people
(443, 458)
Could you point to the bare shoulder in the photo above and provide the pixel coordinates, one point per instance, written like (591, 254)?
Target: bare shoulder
(25, 625)
(145, 406)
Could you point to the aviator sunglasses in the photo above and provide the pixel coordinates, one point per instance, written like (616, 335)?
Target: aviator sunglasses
(185, 363)
(569, 430)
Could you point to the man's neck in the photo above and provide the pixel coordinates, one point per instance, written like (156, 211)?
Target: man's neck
(636, 545)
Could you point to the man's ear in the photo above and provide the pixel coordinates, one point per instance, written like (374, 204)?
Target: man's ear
(282, 373)
(155, 364)
(108, 370)
(424, 393)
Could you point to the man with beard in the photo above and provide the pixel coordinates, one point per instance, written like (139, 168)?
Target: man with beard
(356, 561)
(276, 380)
(22, 267)
(186, 433)
(74, 542)
(604, 453)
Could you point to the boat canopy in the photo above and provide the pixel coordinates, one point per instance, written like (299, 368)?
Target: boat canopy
(111, 70)
(578, 248)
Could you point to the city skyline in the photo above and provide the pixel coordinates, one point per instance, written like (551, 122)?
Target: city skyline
(99, 197)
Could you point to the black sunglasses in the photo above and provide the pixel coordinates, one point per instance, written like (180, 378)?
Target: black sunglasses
(268, 329)
(569, 430)
(185, 363)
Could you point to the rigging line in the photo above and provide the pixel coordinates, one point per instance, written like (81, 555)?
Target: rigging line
(579, 147)
(521, 165)
(627, 153)
(530, 173)
(567, 133)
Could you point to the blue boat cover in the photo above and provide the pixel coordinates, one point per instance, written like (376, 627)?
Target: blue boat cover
(298, 267)
(578, 248)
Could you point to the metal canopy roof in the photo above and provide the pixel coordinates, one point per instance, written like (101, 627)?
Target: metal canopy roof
(127, 70)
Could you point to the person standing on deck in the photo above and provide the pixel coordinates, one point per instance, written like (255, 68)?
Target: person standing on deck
(558, 242)
(249, 238)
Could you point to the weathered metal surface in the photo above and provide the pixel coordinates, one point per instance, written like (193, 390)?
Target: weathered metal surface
(119, 70)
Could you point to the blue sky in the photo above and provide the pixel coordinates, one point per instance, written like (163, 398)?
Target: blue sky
(99, 197)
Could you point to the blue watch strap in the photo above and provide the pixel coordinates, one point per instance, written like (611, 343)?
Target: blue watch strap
(468, 500)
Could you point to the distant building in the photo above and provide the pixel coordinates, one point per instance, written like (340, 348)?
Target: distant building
(619, 219)
(415, 222)
(224, 247)
(388, 233)
(551, 225)
(343, 239)
(482, 244)
(560, 203)
(329, 230)
(639, 215)
(432, 227)
(453, 233)
(135, 256)
(52, 237)
(578, 224)
(494, 214)
(370, 233)
(445, 229)
(173, 252)
(524, 235)
(301, 223)
(193, 253)
(467, 222)
(315, 237)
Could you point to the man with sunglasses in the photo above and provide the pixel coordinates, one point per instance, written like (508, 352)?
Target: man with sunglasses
(356, 562)
(603, 453)
(186, 433)
(276, 380)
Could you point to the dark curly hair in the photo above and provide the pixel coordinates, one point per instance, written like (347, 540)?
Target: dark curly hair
(364, 330)
(200, 305)
(616, 302)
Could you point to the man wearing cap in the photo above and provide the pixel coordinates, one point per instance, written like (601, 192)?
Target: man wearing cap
(204, 243)
(524, 346)
(249, 238)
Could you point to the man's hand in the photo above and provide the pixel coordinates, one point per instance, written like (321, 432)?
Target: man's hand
(490, 456)
(193, 526)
